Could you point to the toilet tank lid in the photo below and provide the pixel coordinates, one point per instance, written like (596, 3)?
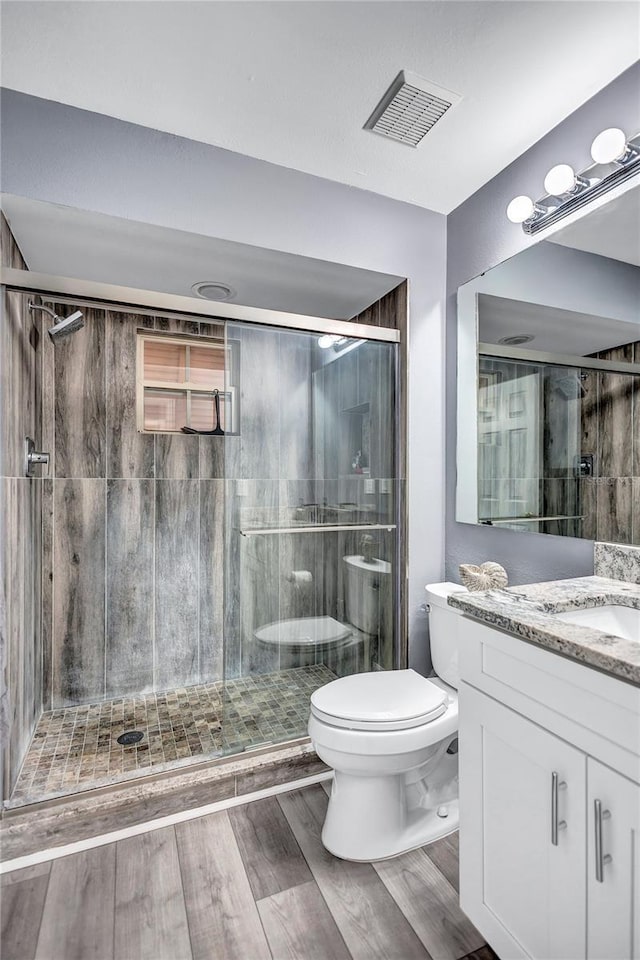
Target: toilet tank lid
(383, 697)
(437, 593)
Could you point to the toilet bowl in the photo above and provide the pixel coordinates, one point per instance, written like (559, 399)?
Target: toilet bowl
(305, 640)
(391, 738)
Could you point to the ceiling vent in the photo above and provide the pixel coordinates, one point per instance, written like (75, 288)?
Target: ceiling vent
(410, 108)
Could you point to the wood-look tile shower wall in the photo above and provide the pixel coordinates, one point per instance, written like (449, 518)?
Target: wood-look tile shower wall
(133, 526)
(20, 524)
(610, 427)
(389, 311)
(603, 425)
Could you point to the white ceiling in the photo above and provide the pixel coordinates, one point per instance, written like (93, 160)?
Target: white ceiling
(612, 230)
(294, 82)
(66, 242)
(554, 330)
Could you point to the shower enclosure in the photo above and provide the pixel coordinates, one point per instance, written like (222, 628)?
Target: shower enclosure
(191, 589)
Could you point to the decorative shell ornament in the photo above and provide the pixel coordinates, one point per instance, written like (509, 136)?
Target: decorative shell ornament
(488, 576)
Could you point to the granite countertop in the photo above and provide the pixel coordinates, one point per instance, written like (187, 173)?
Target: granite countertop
(526, 612)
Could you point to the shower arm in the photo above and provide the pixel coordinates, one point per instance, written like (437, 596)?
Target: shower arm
(37, 306)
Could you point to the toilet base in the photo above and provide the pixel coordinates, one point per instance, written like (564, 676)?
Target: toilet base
(376, 818)
(431, 829)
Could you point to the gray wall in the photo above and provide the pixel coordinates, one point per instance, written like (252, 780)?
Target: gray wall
(97, 163)
(479, 236)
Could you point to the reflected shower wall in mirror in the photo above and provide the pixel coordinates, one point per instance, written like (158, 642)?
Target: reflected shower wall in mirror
(549, 383)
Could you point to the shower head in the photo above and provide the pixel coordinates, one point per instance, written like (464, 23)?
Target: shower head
(570, 386)
(62, 326)
(65, 326)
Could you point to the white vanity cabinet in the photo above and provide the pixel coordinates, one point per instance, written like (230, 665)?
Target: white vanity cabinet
(613, 889)
(513, 870)
(549, 802)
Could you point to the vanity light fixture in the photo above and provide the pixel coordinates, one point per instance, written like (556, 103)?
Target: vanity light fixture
(615, 160)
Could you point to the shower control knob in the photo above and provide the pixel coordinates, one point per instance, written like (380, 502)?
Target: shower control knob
(33, 458)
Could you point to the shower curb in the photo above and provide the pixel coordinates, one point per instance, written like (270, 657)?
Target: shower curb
(18, 864)
(66, 820)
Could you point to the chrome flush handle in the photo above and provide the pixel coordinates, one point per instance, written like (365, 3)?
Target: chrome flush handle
(601, 859)
(556, 825)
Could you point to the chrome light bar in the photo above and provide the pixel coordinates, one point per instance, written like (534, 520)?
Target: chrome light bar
(616, 160)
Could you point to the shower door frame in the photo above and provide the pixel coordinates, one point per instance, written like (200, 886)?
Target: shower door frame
(97, 294)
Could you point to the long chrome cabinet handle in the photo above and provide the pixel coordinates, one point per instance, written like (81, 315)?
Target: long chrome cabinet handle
(601, 859)
(556, 825)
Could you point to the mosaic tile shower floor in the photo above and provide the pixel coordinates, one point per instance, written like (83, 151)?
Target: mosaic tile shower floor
(76, 748)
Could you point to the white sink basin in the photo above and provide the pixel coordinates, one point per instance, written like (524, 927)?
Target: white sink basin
(620, 621)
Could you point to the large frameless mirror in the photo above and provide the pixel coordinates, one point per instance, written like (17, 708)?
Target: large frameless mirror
(549, 383)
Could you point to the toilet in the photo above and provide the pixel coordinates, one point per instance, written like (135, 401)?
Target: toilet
(391, 738)
(367, 592)
(304, 641)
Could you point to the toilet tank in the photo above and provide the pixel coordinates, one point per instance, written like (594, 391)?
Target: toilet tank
(367, 592)
(443, 630)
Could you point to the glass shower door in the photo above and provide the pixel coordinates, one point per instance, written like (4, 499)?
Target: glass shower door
(310, 531)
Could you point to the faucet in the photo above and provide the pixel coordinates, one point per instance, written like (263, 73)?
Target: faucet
(367, 544)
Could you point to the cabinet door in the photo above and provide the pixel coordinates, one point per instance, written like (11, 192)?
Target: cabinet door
(522, 883)
(613, 927)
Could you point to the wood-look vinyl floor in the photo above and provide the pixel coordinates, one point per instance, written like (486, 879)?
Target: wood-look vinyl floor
(251, 883)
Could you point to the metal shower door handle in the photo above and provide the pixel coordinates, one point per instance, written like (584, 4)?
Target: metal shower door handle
(556, 825)
(601, 859)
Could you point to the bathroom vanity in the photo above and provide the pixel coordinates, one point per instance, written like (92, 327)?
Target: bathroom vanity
(550, 768)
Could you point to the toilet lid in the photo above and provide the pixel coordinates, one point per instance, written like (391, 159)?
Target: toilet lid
(384, 700)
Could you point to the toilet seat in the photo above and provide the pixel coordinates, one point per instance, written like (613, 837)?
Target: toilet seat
(311, 632)
(379, 701)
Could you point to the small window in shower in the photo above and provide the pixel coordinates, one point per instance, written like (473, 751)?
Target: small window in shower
(184, 382)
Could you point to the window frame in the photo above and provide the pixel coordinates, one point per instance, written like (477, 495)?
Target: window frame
(186, 386)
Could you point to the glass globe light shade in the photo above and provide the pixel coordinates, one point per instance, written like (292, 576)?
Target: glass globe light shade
(609, 146)
(520, 209)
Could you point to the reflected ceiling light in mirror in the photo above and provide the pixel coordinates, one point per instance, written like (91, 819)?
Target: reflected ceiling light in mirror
(562, 179)
(213, 290)
(331, 340)
(615, 160)
(517, 339)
